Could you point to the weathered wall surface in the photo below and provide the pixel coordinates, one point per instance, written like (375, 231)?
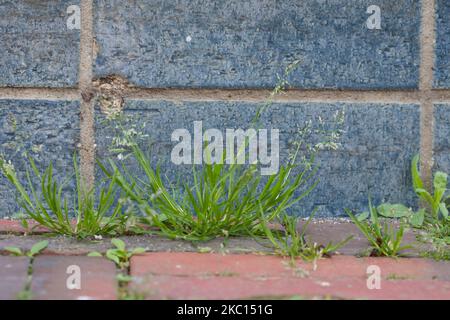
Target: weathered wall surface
(378, 142)
(170, 63)
(44, 130)
(236, 44)
(442, 71)
(37, 49)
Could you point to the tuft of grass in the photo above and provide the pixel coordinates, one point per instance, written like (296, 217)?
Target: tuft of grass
(223, 200)
(385, 239)
(87, 214)
(291, 242)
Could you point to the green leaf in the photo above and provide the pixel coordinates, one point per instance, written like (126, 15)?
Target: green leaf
(417, 218)
(138, 251)
(119, 244)
(24, 223)
(440, 181)
(94, 254)
(111, 255)
(204, 249)
(388, 210)
(416, 179)
(425, 196)
(124, 277)
(38, 247)
(444, 210)
(14, 250)
(363, 216)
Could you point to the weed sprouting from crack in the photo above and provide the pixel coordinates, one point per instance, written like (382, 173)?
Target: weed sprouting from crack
(110, 91)
(35, 250)
(121, 258)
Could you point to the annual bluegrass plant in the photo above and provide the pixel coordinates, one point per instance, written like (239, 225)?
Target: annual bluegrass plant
(85, 215)
(384, 238)
(223, 200)
(291, 241)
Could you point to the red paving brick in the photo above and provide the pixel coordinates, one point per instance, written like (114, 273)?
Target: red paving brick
(169, 287)
(50, 274)
(178, 275)
(213, 276)
(195, 264)
(13, 276)
(15, 226)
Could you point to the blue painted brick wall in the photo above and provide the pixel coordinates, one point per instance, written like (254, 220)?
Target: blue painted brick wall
(229, 44)
(442, 69)
(442, 137)
(46, 130)
(37, 49)
(235, 44)
(378, 143)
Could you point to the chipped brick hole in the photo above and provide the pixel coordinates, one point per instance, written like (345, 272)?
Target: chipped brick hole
(109, 92)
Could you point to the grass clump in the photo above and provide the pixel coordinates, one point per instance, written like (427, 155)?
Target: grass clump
(223, 200)
(384, 238)
(292, 242)
(85, 215)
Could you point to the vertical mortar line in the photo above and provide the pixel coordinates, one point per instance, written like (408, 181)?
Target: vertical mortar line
(427, 44)
(87, 137)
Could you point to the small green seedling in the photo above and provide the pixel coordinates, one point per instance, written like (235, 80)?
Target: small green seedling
(291, 242)
(35, 250)
(385, 239)
(119, 255)
(437, 202)
(398, 211)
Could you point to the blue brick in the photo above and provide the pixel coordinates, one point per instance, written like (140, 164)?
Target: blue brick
(37, 48)
(442, 67)
(441, 151)
(46, 130)
(377, 146)
(236, 44)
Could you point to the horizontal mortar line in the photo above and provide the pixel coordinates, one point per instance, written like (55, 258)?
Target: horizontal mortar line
(291, 95)
(250, 95)
(40, 93)
(440, 96)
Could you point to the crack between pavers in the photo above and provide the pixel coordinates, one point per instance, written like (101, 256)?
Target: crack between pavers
(26, 293)
(218, 275)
